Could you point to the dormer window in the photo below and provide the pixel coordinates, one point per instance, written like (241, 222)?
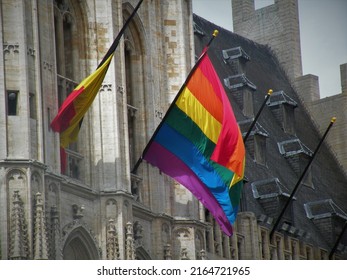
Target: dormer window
(293, 147)
(197, 30)
(256, 142)
(238, 81)
(272, 195)
(242, 89)
(237, 59)
(298, 156)
(240, 86)
(235, 53)
(268, 188)
(330, 219)
(283, 107)
(323, 209)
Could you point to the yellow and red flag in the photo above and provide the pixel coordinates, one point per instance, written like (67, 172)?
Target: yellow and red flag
(72, 111)
(70, 115)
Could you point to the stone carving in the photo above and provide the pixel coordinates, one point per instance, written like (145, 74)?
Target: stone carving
(11, 48)
(138, 234)
(62, 6)
(16, 179)
(106, 87)
(182, 233)
(40, 234)
(31, 51)
(112, 245)
(47, 66)
(184, 254)
(77, 211)
(167, 252)
(120, 90)
(165, 233)
(36, 185)
(19, 246)
(55, 252)
(203, 254)
(111, 209)
(136, 181)
(129, 243)
(159, 114)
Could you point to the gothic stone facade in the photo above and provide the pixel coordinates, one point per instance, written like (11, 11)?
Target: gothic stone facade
(97, 209)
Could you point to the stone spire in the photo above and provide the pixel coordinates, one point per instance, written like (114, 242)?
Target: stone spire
(55, 234)
(112, 245)
(19, 249)
(129, 245)
(40, 234)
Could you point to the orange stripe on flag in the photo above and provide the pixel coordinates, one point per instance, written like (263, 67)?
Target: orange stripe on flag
(201, 87)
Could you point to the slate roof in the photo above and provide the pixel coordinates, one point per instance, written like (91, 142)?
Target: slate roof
(265, 72)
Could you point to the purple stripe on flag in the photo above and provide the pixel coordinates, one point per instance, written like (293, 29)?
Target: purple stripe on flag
(175, 168)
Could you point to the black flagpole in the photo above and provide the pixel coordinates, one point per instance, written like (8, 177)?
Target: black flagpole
(115, 43)
(337, 241)
(204, 52)
(300, 179)
(257, 116)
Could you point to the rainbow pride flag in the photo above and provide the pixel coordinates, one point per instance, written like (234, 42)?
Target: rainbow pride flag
(199, 144)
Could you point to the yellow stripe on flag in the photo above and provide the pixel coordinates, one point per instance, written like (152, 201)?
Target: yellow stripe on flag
(91, 86)
(188, 103)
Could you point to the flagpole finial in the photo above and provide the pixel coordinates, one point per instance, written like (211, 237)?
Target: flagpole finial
(270, 91)
(215, 33)
(333, 119)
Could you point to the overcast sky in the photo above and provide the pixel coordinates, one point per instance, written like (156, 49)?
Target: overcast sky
(323, 32)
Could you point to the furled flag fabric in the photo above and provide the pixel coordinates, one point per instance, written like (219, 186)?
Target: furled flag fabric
(75, 106)
(199, 144)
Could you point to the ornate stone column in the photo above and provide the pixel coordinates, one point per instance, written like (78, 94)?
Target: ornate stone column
(112, 244)
(129, 243)
(19, 247)
(40, 233)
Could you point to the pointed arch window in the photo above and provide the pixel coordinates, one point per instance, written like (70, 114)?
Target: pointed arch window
(131, 104)
(68, 34)
(135, 80)
(66, 51)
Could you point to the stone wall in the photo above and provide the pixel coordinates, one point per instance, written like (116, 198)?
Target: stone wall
(276, 25)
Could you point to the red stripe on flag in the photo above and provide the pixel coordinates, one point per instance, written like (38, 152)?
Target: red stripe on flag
(67, 111)
(228, 142)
